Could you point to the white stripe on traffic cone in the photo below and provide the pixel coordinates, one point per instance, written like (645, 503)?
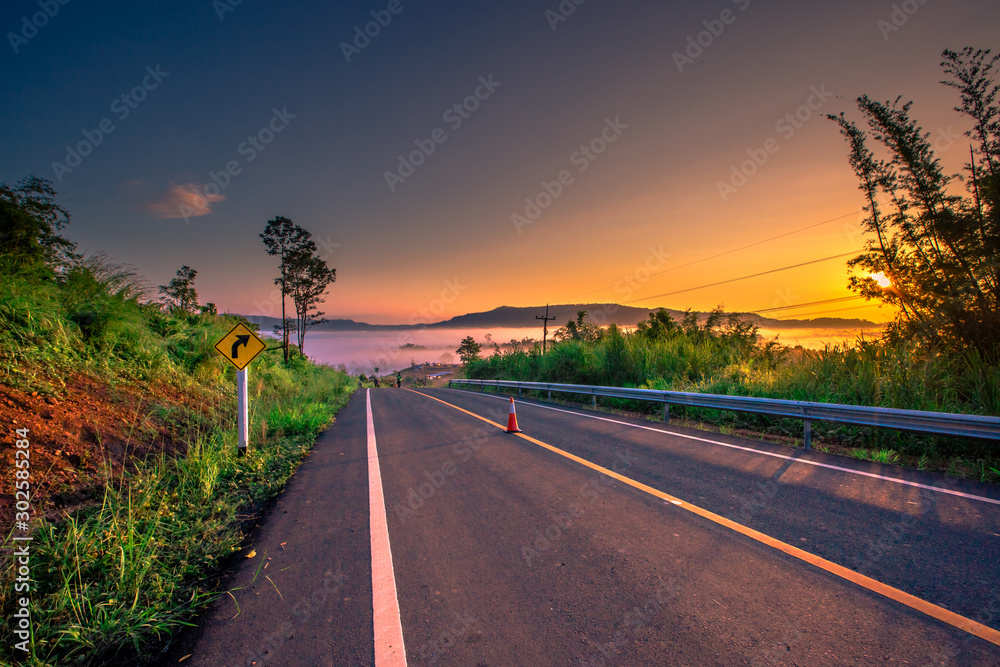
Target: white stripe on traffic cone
(512, 419)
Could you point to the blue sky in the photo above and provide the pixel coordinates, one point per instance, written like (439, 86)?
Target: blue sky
(208, 85)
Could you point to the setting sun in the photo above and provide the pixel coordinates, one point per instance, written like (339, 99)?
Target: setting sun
(881, 279)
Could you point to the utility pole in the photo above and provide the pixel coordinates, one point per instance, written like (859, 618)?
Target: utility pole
(545, 325)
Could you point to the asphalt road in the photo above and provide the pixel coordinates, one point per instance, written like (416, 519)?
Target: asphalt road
(505, 552)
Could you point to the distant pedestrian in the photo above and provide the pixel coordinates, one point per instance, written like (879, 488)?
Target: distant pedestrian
(375, 380)
(399, 379)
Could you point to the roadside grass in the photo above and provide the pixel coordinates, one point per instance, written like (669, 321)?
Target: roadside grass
(788, 432)
(297, 420)
(887, 456)
(99, 318)
(873, 373)
(114, 582)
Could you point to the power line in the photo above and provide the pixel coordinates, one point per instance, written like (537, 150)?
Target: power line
(768, 310)
(721, 254)
(762, 310)
(803, 305)
(835, 310)
(754, 275)
(729, 252)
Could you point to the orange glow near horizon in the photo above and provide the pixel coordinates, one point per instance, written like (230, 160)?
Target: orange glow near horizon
(784, 294)
(598, 168)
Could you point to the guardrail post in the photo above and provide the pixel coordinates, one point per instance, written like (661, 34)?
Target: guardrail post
(595, 401)
(550, 394)
(807, 436)
(666, 413)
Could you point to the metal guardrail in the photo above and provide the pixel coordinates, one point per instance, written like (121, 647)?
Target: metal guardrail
(938, 423)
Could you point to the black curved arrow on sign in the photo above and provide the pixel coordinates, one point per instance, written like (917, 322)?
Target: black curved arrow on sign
(240, 340)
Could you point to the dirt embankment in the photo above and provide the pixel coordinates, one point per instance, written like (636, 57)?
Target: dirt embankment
(82, 430)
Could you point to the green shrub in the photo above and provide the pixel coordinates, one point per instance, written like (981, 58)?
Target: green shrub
(875, 373)
(112, 582)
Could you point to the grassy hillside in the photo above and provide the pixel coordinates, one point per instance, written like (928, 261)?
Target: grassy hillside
(138, 495)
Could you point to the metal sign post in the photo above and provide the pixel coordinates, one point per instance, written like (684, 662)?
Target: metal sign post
(242, 425)
(240, 346)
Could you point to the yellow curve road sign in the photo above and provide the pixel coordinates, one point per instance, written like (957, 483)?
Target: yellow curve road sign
(240, 346)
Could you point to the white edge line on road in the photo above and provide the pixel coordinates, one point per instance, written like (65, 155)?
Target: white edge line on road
(389, 648)
(758, 451)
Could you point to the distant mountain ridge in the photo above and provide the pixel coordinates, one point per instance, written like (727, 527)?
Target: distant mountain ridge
(516, 317)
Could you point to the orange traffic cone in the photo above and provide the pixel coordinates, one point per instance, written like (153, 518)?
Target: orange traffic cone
(512, 419)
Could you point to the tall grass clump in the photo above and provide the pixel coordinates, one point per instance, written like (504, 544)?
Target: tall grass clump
(114, 581)
(97, 317)
(726, 357)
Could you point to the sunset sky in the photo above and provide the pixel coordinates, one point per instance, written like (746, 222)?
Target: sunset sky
(311, 117)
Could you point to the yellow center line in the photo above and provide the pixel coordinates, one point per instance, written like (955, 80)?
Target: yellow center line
(472, 414)
(932, 610)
